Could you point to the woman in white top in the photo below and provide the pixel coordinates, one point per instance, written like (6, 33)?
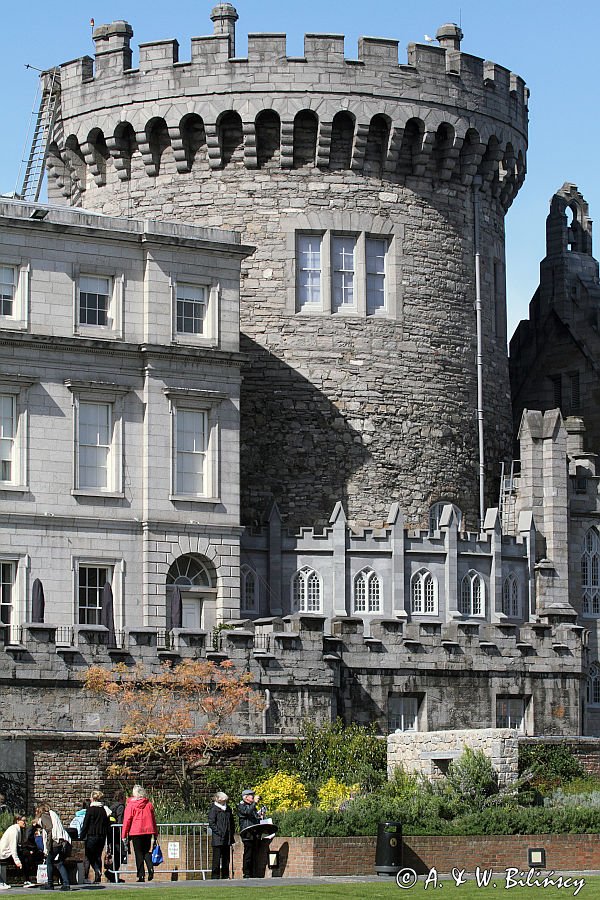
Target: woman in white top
(57, 845)
(9, 845)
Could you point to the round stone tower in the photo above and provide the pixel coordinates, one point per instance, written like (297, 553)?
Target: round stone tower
(368, 188)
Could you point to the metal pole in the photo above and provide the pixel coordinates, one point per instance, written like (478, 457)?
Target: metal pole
(476, 188)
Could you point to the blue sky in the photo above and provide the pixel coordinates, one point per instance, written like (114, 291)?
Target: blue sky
(552, 45)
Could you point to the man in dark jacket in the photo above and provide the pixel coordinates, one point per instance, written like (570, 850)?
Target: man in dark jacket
(220, 819)
(248, 815)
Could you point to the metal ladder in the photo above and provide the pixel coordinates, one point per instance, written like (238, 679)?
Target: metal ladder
(49, 94)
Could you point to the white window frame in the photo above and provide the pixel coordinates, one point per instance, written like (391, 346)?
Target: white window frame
(209, 403)
(114, 327)
(514, 715)
(368, 584)
(248, 575)
(330, 272)
(301, 581)
(590, 574)
(21, 564)
(15, 387)
(421, 597)
(116, 568)
(511, 596)
(112, 395)
(406, 717)
(466, 596)
(210, 333)
(19, 318)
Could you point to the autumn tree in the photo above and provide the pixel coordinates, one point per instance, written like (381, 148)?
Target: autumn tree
(176, 716)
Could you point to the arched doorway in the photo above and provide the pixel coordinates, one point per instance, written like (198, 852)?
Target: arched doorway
(195, 577)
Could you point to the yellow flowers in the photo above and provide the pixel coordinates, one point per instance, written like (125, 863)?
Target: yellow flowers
(333, 793)
(282, 792)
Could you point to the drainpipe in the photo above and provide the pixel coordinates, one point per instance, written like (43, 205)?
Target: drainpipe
(476, 188)
(265, 713)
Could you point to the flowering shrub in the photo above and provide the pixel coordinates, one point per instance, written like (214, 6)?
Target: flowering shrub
(333, 793)
(282, 792)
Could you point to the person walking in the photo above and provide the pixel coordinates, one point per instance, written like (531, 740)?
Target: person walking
(248, 815)
(94, 833)
(220, 819)
(115, 842)
(139, 824)
(57, 846)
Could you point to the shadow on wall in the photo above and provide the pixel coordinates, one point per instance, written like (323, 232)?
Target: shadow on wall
(296, 446)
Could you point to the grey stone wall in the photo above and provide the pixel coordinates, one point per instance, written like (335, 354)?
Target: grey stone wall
(429, 754)
(358, 409)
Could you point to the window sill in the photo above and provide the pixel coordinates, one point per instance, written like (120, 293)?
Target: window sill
(15, 488)
(192, 498)
(98, 331)
(114, 495)
(13, 324)
(180, 340)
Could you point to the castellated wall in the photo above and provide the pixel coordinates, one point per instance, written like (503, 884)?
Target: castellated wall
(367, 408)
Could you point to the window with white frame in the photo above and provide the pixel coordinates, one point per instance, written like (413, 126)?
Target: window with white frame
(95, 443)
(590, 573)
(593, 686)
(403, 713)
(471, 601)
(95, 293)
(98, 427)
(510, 712)
(309, 271)
(90, 582)
(8, 437)
(511, 605)
(367, 592)
(7, 586)
(14, 289)
(191, 445)
(8, 290)
(248, 589)
(191, 308)
(306, 591)
(423, 594)
(341, 273)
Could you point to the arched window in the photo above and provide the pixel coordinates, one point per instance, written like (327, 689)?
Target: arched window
(435, 514)
(593, 686)
(510, 597)
(423, 594)
(248, 589)
(590, 573)
(189, 572)
(306, 591)
(367, 592)
(471, 601)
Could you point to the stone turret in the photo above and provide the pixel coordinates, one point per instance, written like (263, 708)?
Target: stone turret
(354, 178)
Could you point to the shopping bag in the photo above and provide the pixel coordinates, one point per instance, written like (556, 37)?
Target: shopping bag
(157, 856)
(42, 874)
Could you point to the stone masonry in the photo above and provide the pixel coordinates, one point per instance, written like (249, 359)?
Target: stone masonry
(336, 405)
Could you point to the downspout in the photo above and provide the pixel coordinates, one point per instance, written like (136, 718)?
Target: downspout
(476, 188)
(266, 709)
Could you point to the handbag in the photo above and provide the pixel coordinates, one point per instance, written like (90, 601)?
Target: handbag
(42, 874)
(157, 856)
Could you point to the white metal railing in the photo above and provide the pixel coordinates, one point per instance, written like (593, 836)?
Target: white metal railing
(185, 848)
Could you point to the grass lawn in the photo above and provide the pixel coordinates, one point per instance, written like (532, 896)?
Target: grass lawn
(380, 890)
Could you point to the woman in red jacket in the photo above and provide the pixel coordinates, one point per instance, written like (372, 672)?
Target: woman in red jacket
(139, 826)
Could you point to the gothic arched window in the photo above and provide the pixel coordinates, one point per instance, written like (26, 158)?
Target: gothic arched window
(471, 601)
(590, 573)
(306, 591)
(367, 592)
(593, 686)
(510, 597)
(248, 589)
(423, 593)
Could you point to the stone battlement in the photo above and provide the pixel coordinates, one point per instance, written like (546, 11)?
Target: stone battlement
(444, 113)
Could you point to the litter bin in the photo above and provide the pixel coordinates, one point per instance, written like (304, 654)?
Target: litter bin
(388, 852)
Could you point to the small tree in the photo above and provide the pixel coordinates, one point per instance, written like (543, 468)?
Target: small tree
(176, 716)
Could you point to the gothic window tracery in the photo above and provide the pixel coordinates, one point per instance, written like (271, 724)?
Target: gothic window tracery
(306, 591)
(367, 592)
(423, 593)
(510, 597)
(590, 573)
(471, 600)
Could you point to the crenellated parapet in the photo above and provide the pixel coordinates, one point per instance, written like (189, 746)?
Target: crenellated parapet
(444, 114)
